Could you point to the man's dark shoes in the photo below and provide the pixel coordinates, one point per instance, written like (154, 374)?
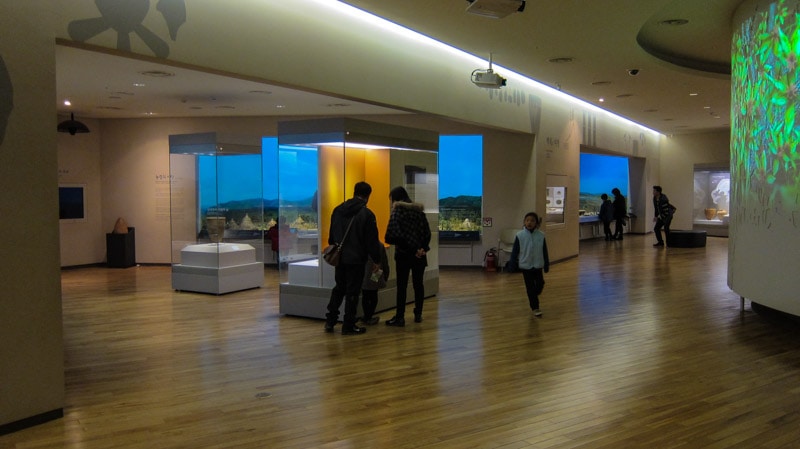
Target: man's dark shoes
(417, 318)
(658, 244)
(397, 322)
(371, 321)
(355, 330)
(329, 327)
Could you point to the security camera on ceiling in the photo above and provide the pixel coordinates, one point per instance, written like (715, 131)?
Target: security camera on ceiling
(495, 9)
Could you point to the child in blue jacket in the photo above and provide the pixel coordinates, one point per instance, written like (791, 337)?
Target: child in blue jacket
(529, 255)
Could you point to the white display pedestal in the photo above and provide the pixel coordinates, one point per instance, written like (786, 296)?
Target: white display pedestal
(301, 296)
(217, 268)
(307, 273)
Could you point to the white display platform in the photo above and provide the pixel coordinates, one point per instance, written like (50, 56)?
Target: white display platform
(312, 302)
(307, 273)
(217, 268)
(214, 255)
(304, 273)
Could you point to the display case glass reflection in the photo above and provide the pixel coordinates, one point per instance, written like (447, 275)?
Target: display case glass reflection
(556, 197)
(319, 163)
(298, 205)
(711, 197)
(216, 212)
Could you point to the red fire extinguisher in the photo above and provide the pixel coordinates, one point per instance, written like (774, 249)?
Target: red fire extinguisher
(490, 260)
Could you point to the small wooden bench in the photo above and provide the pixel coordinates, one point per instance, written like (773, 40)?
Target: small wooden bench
(686, 239)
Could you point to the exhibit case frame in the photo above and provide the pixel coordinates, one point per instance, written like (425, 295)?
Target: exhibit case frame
(216, 212)
(711, 210)
(319, 163)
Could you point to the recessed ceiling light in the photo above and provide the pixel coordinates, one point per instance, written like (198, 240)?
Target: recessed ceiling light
(674, 22)
(706, 107)
(280, 106)
(138, 84)
(157, 73)
(693, 94)
(601, 83)
(601, 99)
(67, 103)
(561, 60)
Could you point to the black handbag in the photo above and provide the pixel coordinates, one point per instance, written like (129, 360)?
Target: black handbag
(332, 253)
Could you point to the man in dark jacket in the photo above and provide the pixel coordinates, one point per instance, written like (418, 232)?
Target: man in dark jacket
(620, 213)
(663, 215)
(360, 241)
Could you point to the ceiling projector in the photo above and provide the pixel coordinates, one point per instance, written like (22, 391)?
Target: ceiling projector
(495, 9)
(487, 78)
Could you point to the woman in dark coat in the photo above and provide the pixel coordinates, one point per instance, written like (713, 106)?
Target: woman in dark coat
(408, 230)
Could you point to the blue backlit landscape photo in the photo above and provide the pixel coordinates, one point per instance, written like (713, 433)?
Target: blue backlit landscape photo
(599, 174)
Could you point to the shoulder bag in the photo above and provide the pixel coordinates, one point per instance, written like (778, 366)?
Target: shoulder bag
(332, 253)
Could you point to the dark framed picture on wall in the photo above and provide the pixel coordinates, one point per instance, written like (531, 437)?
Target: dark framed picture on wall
(72, 202)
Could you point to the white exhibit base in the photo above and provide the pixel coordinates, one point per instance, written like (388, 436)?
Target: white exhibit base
(308, 273)
(309, 301)
(217, 268)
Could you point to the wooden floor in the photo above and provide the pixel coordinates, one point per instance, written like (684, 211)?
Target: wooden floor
(638, 348)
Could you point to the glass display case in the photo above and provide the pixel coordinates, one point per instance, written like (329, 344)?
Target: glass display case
(216, 213)
(319, 162)
(712, 185)
(555, 201)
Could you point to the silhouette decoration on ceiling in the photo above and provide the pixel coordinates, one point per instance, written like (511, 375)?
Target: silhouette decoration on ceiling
(126, 17)
(6, 98)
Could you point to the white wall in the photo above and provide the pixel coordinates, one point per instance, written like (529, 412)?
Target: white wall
(31, 342)
(679, 155)
(79, 164)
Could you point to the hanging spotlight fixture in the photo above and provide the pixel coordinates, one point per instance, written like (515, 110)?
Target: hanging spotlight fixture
(72, 126)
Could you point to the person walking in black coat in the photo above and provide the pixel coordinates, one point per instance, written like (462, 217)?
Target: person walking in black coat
(620, 213)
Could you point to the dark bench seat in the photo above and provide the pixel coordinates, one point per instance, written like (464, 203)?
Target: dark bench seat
(686, 239)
